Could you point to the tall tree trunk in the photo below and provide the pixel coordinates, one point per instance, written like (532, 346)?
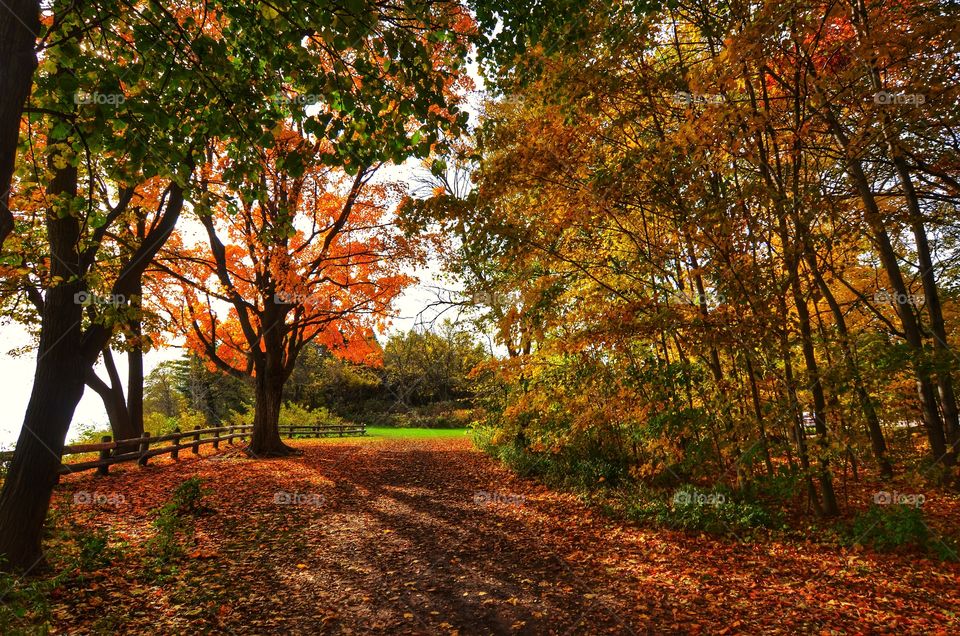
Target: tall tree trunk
(271, 374)
(65, 354)
(19, 27)
(122, 425)
(57, 389)
(867, 407)
(816, 389)
(943, 355)
(758, 411)
(796, 415)
(265, 440)
(135, 366)
(113, 403)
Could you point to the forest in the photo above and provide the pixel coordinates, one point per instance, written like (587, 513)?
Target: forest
(686, 363)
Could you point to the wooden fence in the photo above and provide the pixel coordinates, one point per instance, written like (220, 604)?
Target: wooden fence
(139, 449)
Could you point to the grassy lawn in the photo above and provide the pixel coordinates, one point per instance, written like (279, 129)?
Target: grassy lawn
(418, 433)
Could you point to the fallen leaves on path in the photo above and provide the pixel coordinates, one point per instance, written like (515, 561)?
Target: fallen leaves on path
(432, 537)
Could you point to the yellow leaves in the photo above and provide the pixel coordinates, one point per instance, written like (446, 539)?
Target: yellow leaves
(60, 161)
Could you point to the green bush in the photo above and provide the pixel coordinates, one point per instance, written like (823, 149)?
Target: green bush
(90, 433)
(188, 496)
(93, 549)
(292, 414)
(581, 472)
(898, 526)
(386, 413)
(717, 511)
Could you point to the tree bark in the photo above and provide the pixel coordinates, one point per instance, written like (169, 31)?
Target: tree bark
(19, 27)
(135, 368)
(57, 388)
(943, 355)
(910, 324)
(758, 411)
(122, 424)
(867, 406)
(796, 414)
(113, 403)
(265, 440)
(816, 389)
(271, 374)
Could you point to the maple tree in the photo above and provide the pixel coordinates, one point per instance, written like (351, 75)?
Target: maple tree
(312, 259)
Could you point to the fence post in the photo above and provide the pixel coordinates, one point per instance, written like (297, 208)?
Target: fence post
(196, 441)
(230, 435)
(175, 453)
(216, 438)
(104, 456)
(144, 447)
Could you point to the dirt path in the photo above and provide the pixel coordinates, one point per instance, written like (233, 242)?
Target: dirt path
(431, 537)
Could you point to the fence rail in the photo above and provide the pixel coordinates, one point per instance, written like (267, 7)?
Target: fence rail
(139, 449)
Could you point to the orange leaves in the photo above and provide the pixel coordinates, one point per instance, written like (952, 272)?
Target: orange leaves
(306, 255)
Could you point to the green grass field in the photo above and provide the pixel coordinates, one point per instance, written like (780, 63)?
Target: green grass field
(418, 433)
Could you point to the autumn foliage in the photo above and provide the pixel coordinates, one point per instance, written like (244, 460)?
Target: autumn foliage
(719, 246)
(301, 255)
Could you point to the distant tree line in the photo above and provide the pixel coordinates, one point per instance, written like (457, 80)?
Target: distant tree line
(425, 377)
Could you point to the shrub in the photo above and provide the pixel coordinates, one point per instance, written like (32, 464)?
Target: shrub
(93, 552)
(187, 497)
(717, 511)
(897, 526)
(90, 433)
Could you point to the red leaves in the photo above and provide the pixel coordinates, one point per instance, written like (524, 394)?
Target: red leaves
(312, 257)
(401, 531)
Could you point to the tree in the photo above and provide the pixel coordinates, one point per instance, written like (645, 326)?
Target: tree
(19, 28)
(178, 386)
(425, 367)
(124, 143)
(311, 259)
